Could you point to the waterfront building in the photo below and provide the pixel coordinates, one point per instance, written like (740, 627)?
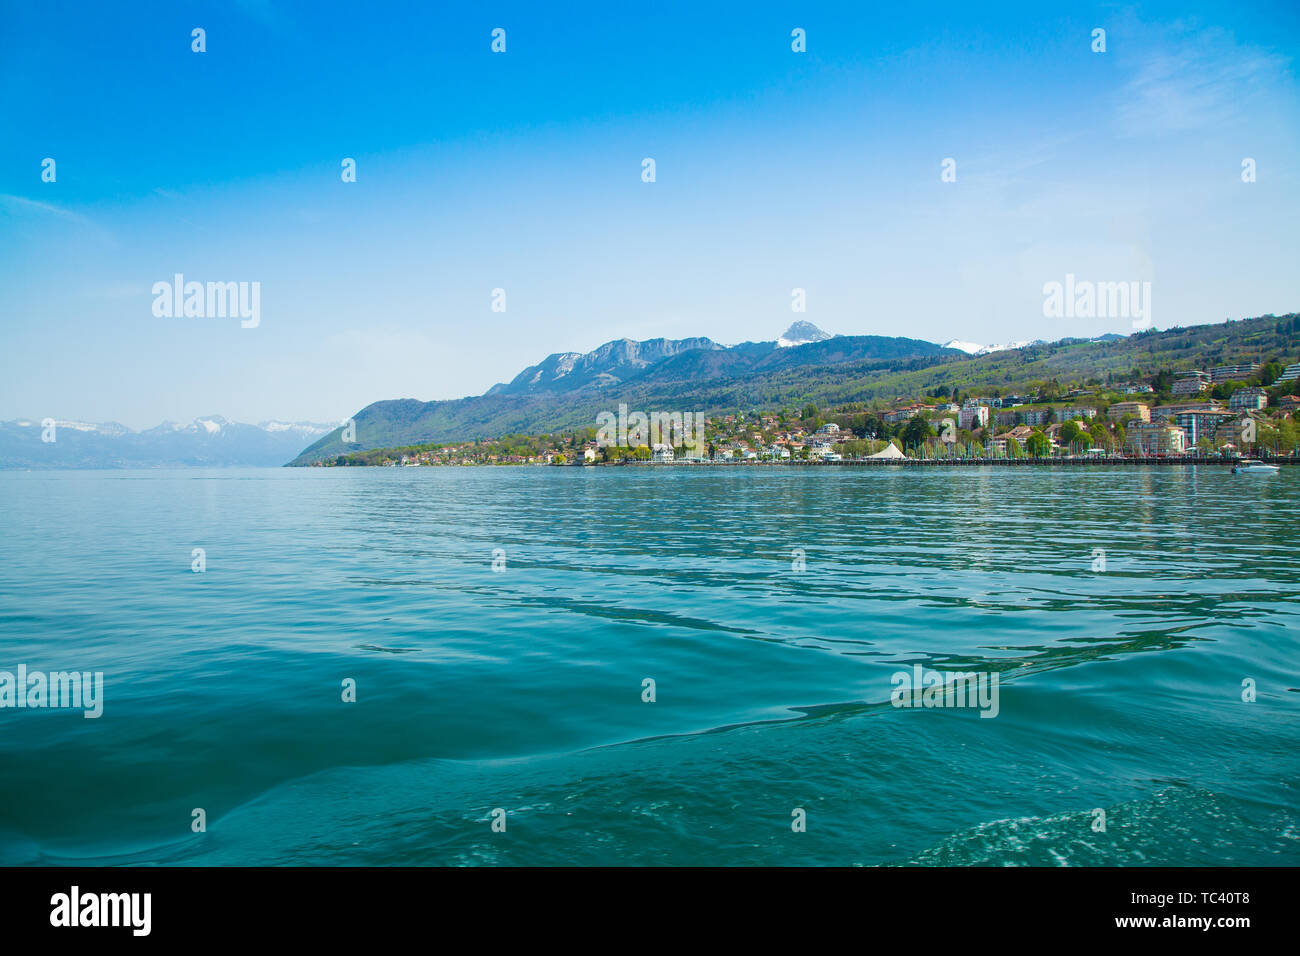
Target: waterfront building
(1156, 439)
(1236, 432)
(1139, 410)
(1198, 425)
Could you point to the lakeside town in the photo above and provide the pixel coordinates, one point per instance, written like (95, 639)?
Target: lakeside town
(1228, 411)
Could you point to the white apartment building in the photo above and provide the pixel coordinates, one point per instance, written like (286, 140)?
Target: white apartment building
(1191, 383)
(973, 416)
(1289, 374)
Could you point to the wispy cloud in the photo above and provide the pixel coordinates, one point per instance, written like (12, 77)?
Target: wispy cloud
(31, 213)
(1196, 79)
(22, 204)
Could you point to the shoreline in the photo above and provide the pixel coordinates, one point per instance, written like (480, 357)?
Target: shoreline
(1162, 462)
(967, 462)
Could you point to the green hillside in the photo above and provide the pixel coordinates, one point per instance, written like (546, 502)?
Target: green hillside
(819, 373)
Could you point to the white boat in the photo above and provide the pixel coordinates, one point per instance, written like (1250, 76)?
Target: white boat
(1251, 466)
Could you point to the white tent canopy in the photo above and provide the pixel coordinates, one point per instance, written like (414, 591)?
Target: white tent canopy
(889, 451)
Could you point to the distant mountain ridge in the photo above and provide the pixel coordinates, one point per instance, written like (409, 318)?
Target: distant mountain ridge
(970, 348)
(211, 441)
(611, 363)
(569, 389)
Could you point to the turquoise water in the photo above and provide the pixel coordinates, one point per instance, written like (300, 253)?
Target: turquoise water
(1120, 689)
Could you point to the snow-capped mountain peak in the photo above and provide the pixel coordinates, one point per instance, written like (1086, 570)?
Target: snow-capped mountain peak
(212, 440)
(970, 348)
(313, 429)
(801, 333)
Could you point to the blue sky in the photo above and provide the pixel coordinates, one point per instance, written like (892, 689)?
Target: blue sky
(522, 171)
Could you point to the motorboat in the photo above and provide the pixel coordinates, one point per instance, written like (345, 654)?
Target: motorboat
(1253, 466)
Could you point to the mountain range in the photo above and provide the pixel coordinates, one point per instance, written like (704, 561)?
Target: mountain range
(212, 441)
(568, 389)
(971, 348)
(805, 364)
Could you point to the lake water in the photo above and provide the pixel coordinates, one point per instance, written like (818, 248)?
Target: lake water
(1120, 674)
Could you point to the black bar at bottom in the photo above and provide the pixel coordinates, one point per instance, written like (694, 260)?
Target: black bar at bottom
(335, 905)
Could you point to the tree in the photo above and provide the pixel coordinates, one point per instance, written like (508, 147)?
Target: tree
(1039, 445)
(916, 432)
(869, 426)
(1069, 431)
(1288, 435)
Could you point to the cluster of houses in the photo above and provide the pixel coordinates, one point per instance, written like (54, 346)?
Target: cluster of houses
(467, 453)
(1135, 426)
(1180, 427)
(1004, 421)
(742, 440)
(1197, 421)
